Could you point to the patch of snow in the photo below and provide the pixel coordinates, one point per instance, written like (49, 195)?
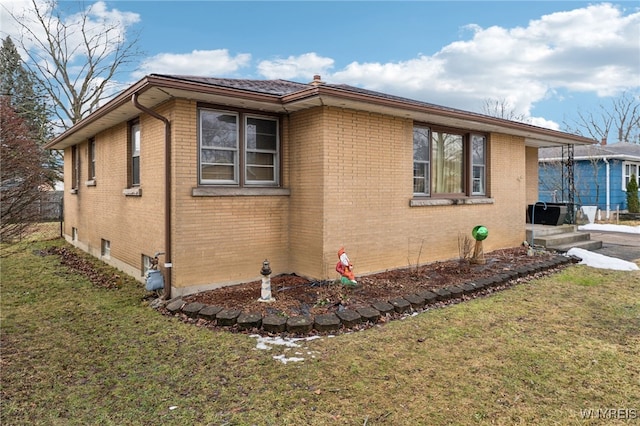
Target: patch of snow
(600, 261)
(267, 343)
(285, 360)
(627, 229)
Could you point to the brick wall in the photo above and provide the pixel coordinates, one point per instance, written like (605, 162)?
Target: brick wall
(99, 210)
(221, 240)
(532, 174)
(349, 176)
(368, 187)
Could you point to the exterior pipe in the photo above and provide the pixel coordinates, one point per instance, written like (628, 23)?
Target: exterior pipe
(606, 161)
(167, 193)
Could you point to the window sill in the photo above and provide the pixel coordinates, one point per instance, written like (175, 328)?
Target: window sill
(73, 191)
(424, 202)
(91, 182)
(238, 192)
(132, 192)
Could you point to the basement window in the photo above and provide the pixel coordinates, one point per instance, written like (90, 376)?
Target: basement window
(105, 248)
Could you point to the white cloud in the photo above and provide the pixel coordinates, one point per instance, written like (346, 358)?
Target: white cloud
(303, 66)
(198, 62)
(586, 50)
(543, 122)
(594, 49)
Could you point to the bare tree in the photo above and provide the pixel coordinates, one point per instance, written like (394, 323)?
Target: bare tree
(621, 117)
(76, 56)
(23, 175)
(501, 108)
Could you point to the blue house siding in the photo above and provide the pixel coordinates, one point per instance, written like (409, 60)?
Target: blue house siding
(590, 179)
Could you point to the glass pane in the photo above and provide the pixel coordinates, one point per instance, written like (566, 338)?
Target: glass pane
(135, 139)
(478, 149)
(421, 178)
(217, 172)
(262, 134)
(420, 144)
(218, 129)
(447, 157)
(135, 171)
(217, 156)
(260, 158)
(478, 180)
(257, 173)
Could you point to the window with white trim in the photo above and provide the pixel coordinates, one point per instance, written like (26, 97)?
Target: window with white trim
(629, 169)
(478, 164)
(448, 163)
(238, 149)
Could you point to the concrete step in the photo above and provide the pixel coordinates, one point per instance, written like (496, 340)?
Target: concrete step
(586, 245)
(543, 230)
(561, 239)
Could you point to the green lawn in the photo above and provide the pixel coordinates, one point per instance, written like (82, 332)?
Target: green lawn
(541, 353)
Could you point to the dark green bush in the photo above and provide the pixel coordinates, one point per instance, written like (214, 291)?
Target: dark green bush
(633, 204)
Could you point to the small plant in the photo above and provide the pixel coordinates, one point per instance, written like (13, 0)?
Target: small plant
(465, 247)
(633, 204)
(322, 303)
(417, 264)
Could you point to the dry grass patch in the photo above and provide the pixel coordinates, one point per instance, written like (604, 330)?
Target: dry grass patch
(539, 353)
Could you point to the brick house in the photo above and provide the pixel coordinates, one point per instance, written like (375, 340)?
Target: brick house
(221, 174)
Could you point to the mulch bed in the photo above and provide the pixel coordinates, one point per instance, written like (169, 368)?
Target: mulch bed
(297, 298)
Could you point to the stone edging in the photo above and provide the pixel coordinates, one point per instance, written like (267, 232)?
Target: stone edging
(348, 319)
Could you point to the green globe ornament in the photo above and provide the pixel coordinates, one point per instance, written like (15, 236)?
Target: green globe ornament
(480, 233)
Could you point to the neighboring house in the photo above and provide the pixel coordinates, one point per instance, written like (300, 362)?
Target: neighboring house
(601, 174)
(221, 174)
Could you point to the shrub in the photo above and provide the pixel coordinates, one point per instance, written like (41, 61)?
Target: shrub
(633, 204)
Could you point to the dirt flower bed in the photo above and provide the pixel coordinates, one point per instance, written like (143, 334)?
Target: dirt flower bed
(296, 295)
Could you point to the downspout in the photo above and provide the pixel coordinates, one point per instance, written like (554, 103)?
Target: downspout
(167, 193)
(608, 191)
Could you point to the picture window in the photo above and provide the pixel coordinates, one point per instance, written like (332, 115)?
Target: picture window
(448, 163)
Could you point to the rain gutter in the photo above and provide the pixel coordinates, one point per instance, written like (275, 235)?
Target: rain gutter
(168, 266)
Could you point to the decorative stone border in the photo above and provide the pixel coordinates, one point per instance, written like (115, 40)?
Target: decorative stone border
(348, 318)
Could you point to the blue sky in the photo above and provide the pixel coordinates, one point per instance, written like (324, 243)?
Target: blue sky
(546, 59)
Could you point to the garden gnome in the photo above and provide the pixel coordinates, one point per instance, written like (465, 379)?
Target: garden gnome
(345, 268)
